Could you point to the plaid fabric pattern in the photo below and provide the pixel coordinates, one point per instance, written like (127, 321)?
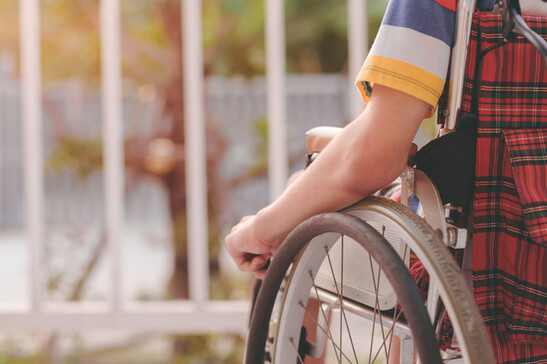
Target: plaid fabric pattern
(510, 199)
(527, 151)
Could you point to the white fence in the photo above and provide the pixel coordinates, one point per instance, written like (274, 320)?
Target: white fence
(235, 103)
(198, 314)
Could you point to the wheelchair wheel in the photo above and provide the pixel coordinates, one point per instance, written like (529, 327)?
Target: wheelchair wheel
(355, 291)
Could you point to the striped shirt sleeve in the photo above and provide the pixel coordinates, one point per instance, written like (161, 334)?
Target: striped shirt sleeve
(412, 49)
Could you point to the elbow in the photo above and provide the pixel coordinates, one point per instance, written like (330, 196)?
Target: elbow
(373, 169)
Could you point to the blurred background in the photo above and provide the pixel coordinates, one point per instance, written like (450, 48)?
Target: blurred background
(74, 259)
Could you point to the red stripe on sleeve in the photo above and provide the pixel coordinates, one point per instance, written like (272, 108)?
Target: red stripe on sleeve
(449, 4)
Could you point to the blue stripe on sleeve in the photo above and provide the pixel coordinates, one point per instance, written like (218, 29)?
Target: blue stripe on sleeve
(486, 5)
(424, 16)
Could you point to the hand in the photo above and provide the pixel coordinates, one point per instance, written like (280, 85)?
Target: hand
(249, 251)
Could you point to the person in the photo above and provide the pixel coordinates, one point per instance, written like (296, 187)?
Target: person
(401, 81)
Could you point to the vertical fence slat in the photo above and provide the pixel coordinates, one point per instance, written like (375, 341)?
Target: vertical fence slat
(357, 50)
(32, 140)
(195, 152)
(112, 137)
(275, 78)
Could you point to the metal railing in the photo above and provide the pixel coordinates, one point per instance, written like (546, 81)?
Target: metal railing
(198, 314)
(234, 103)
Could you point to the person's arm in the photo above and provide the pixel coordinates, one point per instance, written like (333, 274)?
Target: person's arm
(368, 154)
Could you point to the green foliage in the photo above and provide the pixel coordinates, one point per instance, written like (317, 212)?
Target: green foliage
(232, 287)
(82, 156)
(210, 349)
(139, 349)
(233, 36)
(15, 351)
(70, 41)
(316, 35)
(261, 148)
(14, 359)
(261, 129)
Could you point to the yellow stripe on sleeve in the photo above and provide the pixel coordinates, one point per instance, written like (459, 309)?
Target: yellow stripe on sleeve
(401, 76)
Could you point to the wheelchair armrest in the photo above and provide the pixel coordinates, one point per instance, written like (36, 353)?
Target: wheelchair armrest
(318, 138)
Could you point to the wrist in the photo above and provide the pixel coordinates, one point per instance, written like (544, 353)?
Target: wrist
(269, 228)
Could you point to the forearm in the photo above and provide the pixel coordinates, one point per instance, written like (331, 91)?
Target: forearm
(368, 154)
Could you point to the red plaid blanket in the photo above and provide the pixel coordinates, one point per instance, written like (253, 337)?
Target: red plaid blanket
(510, 199)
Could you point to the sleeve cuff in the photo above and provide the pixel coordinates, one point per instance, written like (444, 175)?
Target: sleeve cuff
(401, 76)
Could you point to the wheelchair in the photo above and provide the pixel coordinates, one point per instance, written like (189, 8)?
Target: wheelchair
(337, 269)
(344, 286)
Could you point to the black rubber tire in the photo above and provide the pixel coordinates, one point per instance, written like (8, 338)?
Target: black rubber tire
(392, 266)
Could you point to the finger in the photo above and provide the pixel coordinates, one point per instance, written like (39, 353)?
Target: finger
(259, 262)
(243, 265)
(260, 274)
(249, 262)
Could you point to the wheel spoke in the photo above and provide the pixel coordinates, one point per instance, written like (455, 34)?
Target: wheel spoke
(325, 331)
(396, 316)
(341, 300)
(342, 309)
(382, 323)
(312, 317)
(377, 306)
(390, 334)
(340, 297)
(329, 334)
(396, 312)
(300, 360)
(374, 317)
